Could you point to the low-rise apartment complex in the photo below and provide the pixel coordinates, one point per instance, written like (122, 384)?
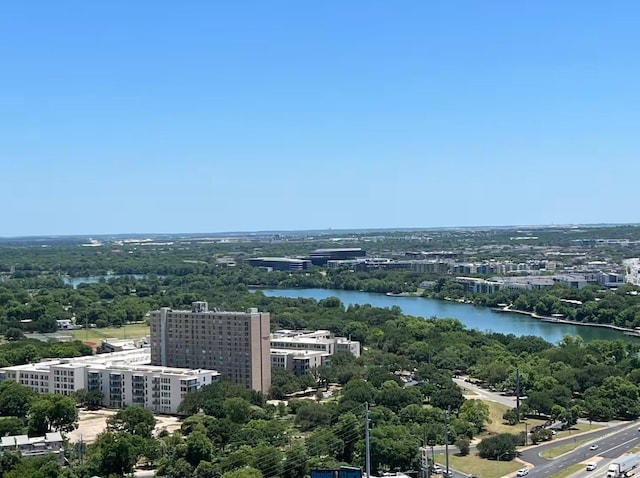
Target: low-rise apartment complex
(49, 444)
(123, 378)
(236, 344)
(302, 351)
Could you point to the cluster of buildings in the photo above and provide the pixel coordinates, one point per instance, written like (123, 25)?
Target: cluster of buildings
(186, 350)
(572, 281)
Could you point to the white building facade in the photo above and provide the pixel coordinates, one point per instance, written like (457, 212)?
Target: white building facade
(124, 378)
(303, 351)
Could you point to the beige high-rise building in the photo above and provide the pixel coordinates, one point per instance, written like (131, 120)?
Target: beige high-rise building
(236, 344)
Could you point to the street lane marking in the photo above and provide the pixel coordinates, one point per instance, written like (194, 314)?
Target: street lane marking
(618, 446)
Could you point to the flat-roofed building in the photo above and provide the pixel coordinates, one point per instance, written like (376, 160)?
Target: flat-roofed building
(123, 378)
(319, 257)
(49, 444)
(236, 344)
(280, 263)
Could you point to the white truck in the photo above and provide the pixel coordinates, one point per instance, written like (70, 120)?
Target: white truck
(622, 466)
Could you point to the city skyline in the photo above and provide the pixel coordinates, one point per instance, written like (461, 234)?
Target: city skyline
(122, 118)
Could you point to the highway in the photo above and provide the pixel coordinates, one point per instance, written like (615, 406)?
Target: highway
(610, 446)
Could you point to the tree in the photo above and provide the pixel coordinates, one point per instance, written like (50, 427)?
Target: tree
(205, 470)
(511, 416)
(237, 409)
(463, 445)
(501, 446)
(14, 334)
(475, 412)
(247, 472)
(15, 399)
(267, 459)
(199, 448)
(134, 420)
(449, 397)
(295, 462)
(117, 453)
(11, 426)
(52, 412)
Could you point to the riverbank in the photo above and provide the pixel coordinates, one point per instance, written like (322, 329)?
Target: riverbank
(473, 316)
(557, 320)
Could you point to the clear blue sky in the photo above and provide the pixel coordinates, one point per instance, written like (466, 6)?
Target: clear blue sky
(204, 116)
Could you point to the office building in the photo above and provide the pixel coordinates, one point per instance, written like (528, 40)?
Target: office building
(236, 344)
(319, 257)
(123, 378)
(280, 263)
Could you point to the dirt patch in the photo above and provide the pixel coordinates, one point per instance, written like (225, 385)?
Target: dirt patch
(92, 423)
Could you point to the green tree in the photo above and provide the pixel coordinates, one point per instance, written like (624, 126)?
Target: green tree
(11, 426)
(116, 453)
(237, 409)
(135, 420)
(463, 446)
(475, 412)
(199, 448)
(52, 412)
(15, 399)
(295, 462)
(267, 459)
(501, 446)
(14, 334)
(247, 472)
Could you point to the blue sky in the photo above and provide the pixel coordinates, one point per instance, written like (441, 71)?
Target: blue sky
(207, 116)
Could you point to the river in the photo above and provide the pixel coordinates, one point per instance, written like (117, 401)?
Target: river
(472, 316)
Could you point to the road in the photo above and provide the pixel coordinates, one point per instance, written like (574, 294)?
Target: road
(485, 394)
(611, 446)
(532, 454)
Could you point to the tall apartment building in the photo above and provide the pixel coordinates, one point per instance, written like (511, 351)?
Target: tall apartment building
(236, 344)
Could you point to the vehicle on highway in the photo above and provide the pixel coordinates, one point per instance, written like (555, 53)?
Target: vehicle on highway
(622, 466)
(594, 447)
(523, 472)
(591, 466)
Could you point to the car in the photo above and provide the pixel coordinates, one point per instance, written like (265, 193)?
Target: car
(523, 472)
(437, 469)
(591, 466)
(594, 447)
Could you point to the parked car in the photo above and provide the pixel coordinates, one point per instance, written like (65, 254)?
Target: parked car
(523, 472)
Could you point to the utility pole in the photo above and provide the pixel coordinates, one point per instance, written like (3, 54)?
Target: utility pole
(446, 441)
(366, 441)
(518, 392)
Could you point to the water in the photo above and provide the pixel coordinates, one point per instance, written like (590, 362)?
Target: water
(76, 281)
(473, 317)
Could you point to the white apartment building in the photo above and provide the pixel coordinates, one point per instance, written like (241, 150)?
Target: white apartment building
(124, 378)
(302, 351)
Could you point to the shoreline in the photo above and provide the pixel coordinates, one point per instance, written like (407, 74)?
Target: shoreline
(625, 330)
(557, 320)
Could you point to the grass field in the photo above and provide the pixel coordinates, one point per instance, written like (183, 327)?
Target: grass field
(568, 471)
(556, 451)
(473, 464)
(132, 331)
(498, 425)
(579, 428)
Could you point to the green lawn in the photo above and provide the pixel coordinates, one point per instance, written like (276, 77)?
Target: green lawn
(569, 471)
(579, 428)
(498, 425)
(473, 464)
(132, 331)
(564, 448)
